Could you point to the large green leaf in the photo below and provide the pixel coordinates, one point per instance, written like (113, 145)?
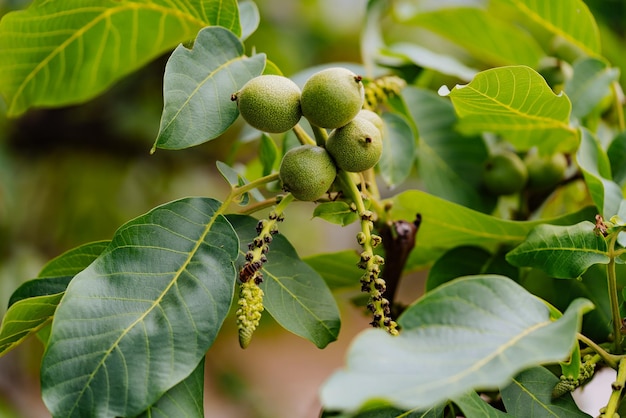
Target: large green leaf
(517, 103)
(449, 164)
(589, 85)
(140, 318)
(561, 251)
(489, 38)
(33, 304)
(198, 85)
(295, 295)
(446, 225)
(568, 20)
(474, 332)
(62, 52)
(596, 168)
(185, 400)
(530, 394)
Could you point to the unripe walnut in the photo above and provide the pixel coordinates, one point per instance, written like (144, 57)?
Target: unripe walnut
(372, 117)
(545, 172)
(307, 172)
(332, 97)
(270, 103)
(504, 174)
(356, 146)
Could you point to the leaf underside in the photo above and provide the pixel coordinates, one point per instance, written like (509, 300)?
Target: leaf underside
(474, 332)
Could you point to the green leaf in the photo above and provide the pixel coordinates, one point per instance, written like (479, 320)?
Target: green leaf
(185, 400)
(558, 292)
(491, 39)
(422, 57)
(449, 164)
(465, 261)
(33, 304)
(590, 83)
(339, 269)
(530, 394)
(198, 85)
(517, 103)
(446, 225)
(235, 179)
(596, 169)
(338, 212)
(389, 412)
(568, 20)
(146, 310)
(295, 295)
(398, 155)
(617, 157)
(268, 153)
(474, 407)
(59, 53)
(476, 321)
(371, 34)
(249, 17)
(563, 252)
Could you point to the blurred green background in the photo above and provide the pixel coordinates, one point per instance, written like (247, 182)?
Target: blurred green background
(73, 175)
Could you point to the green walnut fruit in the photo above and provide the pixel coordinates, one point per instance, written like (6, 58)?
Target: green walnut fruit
(332, 97)
(307, 172)
(504, 173)
(356, 146)
(372, 117)
(270, 103)
(545, 172)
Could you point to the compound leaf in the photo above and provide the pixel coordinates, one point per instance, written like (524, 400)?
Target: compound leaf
(564, 252)
(517, 103)
(198, 85)
(295, 295)
(146, 310)
(466, 334)
(33, 304)
(63, 52)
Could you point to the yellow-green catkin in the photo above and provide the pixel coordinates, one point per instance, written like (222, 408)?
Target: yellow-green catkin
(371, 282)
(380, 89)
(568, 384)
(251, 276)
(249, 312)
